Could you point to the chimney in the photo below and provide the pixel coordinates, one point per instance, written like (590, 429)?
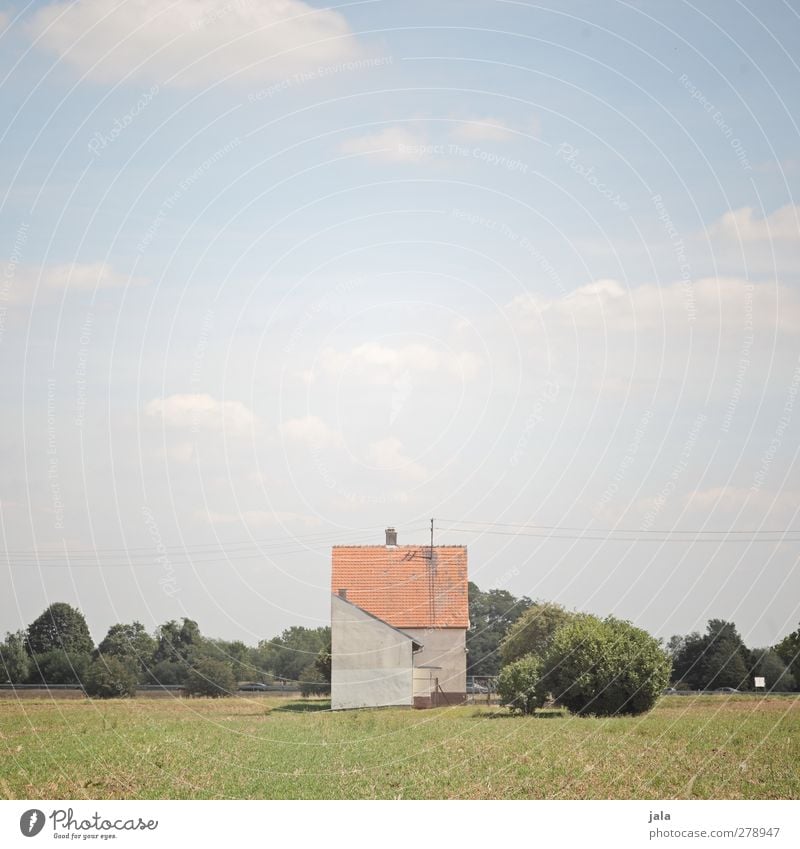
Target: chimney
(343, 593)
(391, 537)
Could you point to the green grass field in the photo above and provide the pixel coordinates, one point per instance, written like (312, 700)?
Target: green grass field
(714, 747)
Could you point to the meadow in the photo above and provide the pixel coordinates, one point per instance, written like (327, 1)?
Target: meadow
(704, 747)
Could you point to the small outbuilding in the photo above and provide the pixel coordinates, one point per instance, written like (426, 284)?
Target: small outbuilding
(399, 620)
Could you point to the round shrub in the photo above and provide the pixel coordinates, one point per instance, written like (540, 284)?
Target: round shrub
(211, 677)
(110, 678)
(518, 683)
(604, 667)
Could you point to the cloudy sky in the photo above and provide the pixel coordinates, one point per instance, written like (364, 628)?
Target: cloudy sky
(276, 275)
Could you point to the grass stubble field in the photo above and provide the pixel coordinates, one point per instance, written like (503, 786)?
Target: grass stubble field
(703, 747)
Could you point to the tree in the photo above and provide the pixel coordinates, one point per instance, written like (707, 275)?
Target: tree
(14, 660)
(789, 651)
(718, 658)
(176, 641)
(770, 666)
(168, 672)
(233, 652)
(533, 632)
(211, 677)
(604, 667)
(59, 627)
(686, 655)
(491, 614)
(59, 667)
(518, 685)
(323, 663)
(110, 677)
(313, 682)
(289, 654)
(130, 643)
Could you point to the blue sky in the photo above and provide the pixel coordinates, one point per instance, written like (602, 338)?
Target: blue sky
(285, 272)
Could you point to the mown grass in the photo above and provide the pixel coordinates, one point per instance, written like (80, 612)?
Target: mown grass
(711, 747)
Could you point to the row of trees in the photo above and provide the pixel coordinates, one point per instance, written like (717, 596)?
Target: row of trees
(57, 648)
(720, 658)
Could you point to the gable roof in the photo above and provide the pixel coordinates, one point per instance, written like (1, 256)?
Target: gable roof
(403, 585)
(414, 641)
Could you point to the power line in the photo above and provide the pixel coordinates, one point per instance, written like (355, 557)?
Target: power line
(556, 532)
(615, 530)
(159, 556)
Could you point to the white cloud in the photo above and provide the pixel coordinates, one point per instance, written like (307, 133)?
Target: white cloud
(309, 430)
(193, 42)
(482, 130)
(201, 412)
(382, 364)
(718, 335)
(71, 277)
(391, 144)
(389, 455)
(719, 304)
(743, 225)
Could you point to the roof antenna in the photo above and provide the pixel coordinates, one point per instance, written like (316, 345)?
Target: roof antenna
(431, 539)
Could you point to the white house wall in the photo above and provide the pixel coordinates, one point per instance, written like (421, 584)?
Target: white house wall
(371, 662)
(445, 648)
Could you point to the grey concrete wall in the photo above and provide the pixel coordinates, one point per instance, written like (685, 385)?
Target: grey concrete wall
(447, 648)
(371, 663)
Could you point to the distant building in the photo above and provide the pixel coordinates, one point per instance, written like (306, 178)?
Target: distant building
(399, 619)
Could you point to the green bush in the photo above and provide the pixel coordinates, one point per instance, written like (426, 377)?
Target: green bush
(534, 630)
(604, 667)
(313, 683)
(210, 677)
(59, 667)
(518, 683)
(111, 678)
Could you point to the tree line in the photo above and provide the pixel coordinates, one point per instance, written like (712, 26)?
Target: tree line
(57, 648)
(508, 636)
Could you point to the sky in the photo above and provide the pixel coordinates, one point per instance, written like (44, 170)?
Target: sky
(278, 275)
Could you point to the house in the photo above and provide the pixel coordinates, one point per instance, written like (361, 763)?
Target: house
(399, 619)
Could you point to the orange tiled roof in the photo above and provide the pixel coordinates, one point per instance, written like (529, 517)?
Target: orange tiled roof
(403, 586)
